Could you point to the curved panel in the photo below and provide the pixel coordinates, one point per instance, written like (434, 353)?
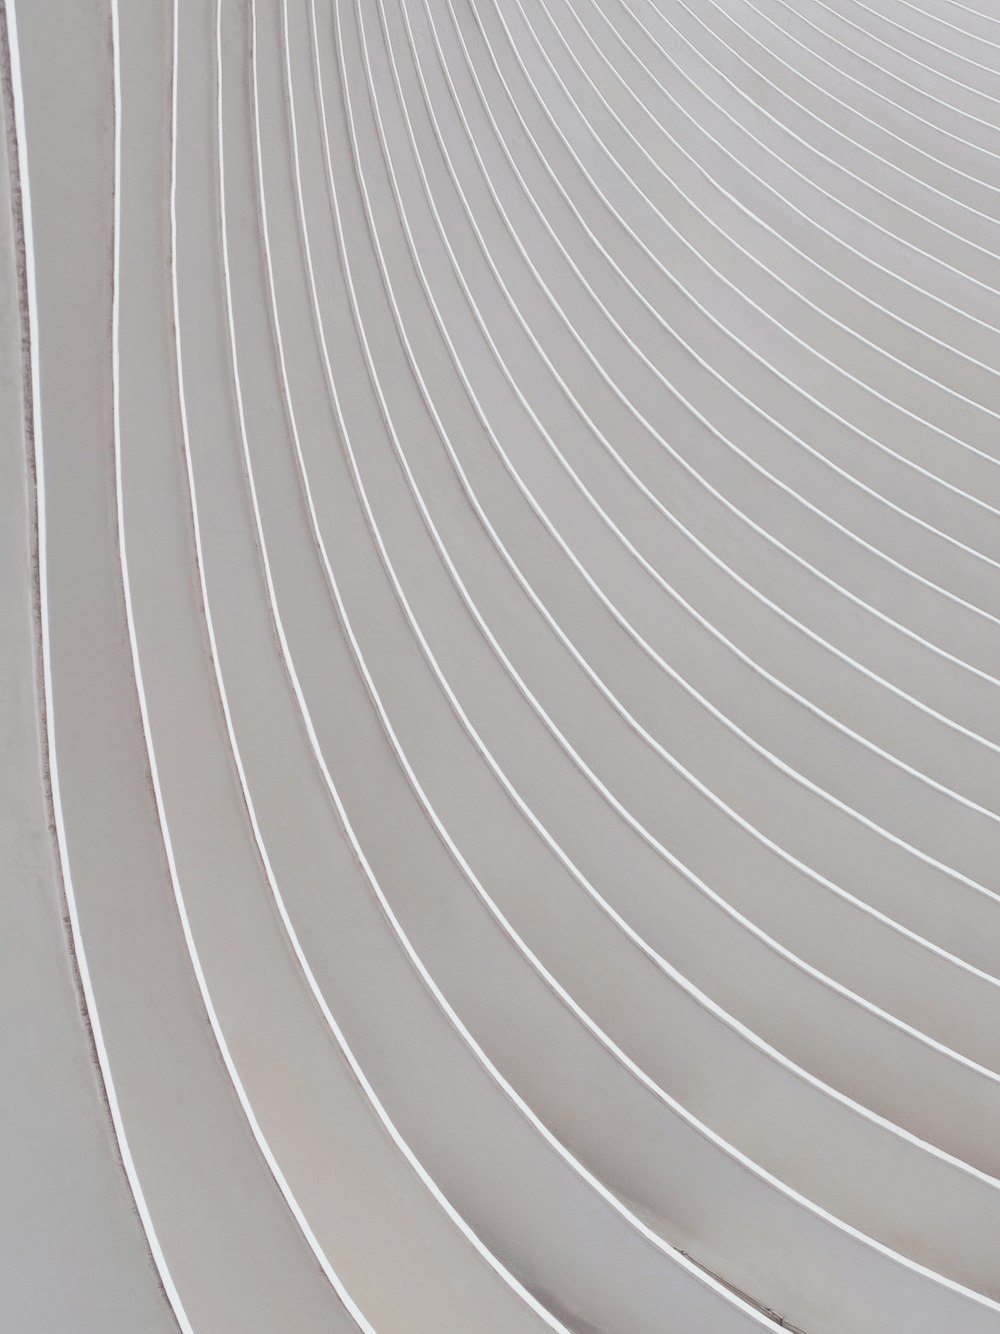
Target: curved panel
(504, 586)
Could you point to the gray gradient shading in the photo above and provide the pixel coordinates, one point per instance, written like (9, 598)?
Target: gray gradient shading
(499, 690)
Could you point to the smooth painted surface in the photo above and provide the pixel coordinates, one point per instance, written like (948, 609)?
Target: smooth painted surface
(502, 774)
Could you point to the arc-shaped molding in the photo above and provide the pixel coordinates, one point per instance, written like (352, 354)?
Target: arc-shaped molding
(515, 493)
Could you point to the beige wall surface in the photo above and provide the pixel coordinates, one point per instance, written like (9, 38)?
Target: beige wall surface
(500, 667)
